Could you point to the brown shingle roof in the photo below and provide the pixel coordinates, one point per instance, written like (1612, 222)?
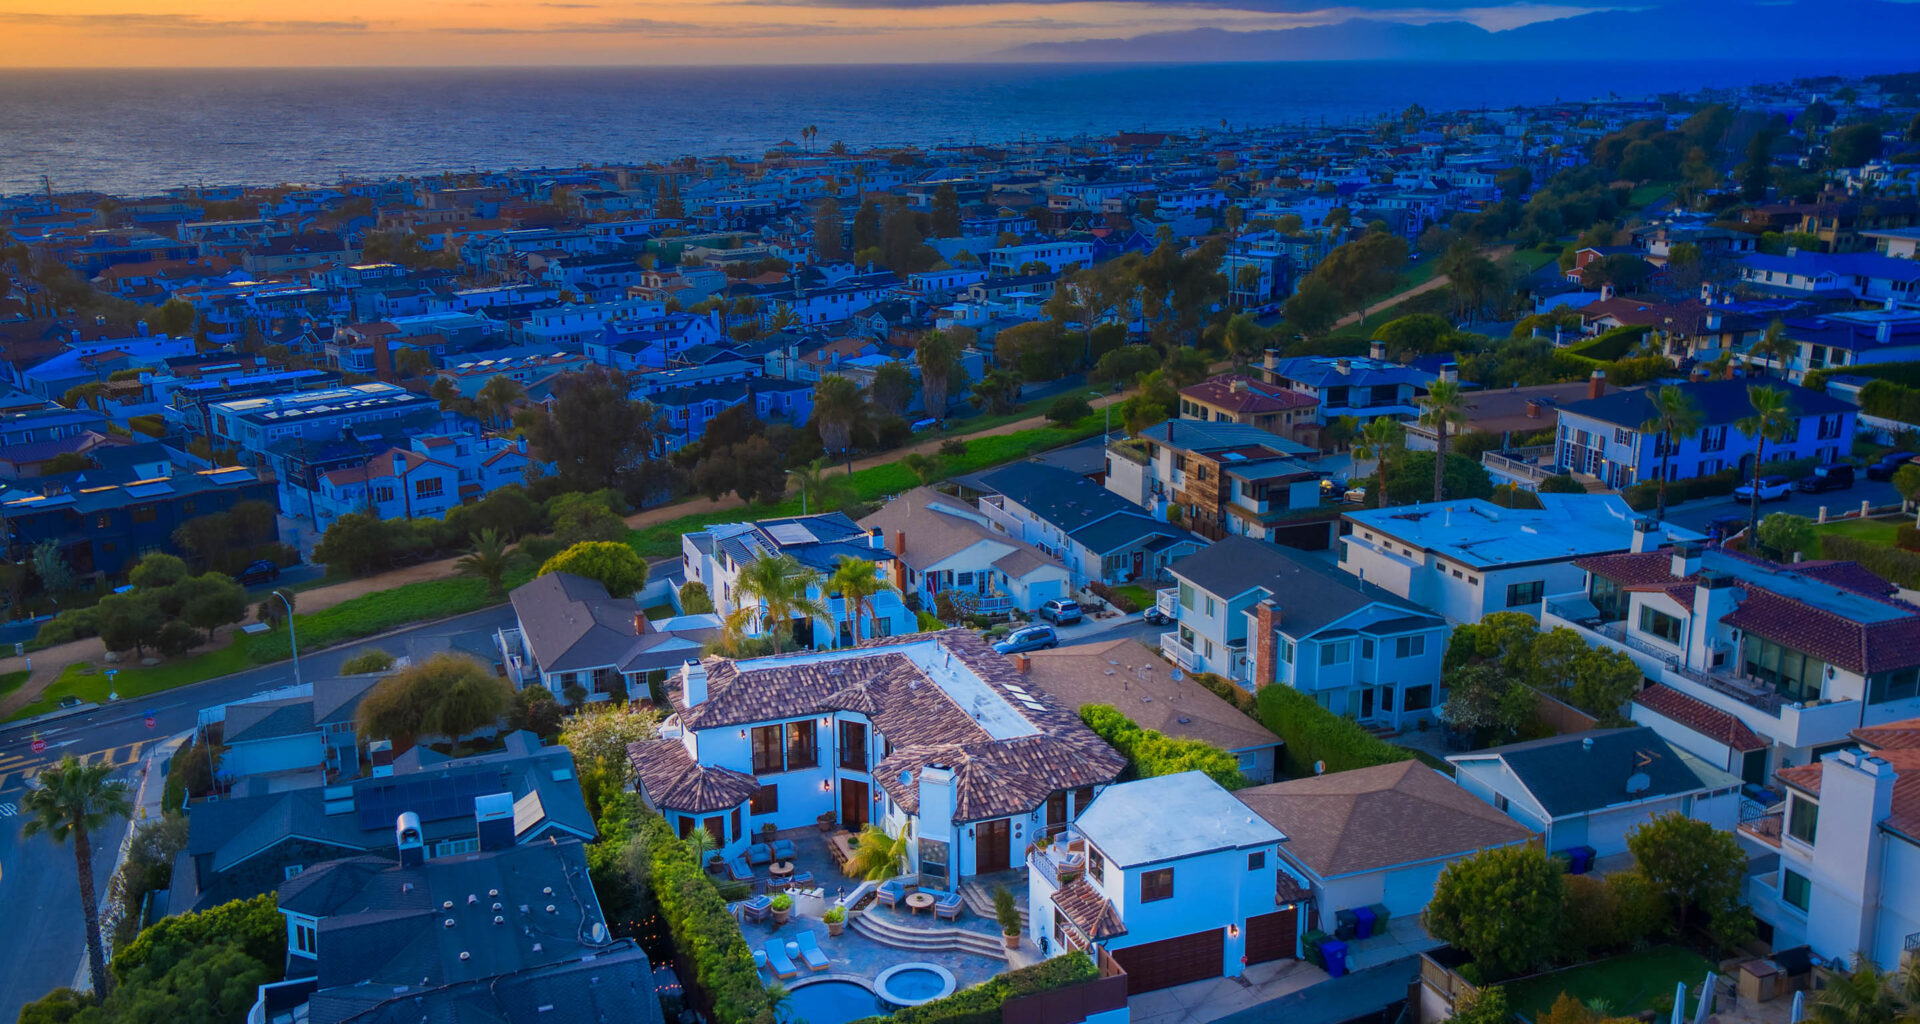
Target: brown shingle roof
(1088, 910)
(1703, 718)
(674, 781)
(1125, 674)
(1371, 818)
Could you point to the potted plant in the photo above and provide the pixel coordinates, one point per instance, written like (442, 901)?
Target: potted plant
(782, 906)
(836, 919)
(1008, 915)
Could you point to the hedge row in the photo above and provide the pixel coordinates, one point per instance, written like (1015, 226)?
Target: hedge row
(705, 934)
(1314, 734)
(1901, 567)
(1906, 374)
(1150, 753)
(1229, 691)
(981, 1003)
(1611, 345)
(1890, 400)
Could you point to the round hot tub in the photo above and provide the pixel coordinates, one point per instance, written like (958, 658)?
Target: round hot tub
(912, 984)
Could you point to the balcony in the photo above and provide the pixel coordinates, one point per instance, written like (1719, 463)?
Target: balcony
(1167, 602)
(1173, 647)
(1057, 864)
(1763, 828)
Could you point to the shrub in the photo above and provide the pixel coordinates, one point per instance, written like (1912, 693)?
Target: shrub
(366, 660)
(1114, 597)
(1611, 345)
(1068, 408)
(1150, 753)
(834, 915)
(696, 915)
(981, 1003)
(694, 599)
(1899, 566)
(1564, 483)
(1906, 537)
(782, 902)
(68, 626)
(176, 638)
(1313, 734)
(1228, 691)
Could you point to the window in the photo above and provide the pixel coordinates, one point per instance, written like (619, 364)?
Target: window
(1521, 595)
(766, 750)
(306, 939)
(1794, 674)
(292, 871)
(802, 750)
(453, 847)
(432, 487)
(1607, 598)
(853, 746)
(385, 492)
(1658, 623)
(1336, 653)
(145, 514)
(1156, 885)
(1209, 606)
(1803, 819)
(1417, 698)
(1366, 649)
(1622, 435)
(1409, 646)
(1186, 596)
(103, 521)
(1795, 890)
(1081, 798)
(1286, 651)
(965, 579)
(1256, 860)
(1096, 865)
(765, 800)
(1896, 685)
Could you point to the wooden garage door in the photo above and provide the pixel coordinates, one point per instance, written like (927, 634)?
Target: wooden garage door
(1272, 936)
(1156, 965)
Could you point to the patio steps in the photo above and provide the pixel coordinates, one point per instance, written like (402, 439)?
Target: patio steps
(880, 927)
(979, 899)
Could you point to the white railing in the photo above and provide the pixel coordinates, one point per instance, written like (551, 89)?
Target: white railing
(1167, 602)
(1182, 655)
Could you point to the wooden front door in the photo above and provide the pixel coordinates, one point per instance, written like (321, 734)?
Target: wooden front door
(990, 847)
(1057, 813)
(853, 805)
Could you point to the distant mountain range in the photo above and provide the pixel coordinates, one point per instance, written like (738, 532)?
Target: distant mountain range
(1745, 30)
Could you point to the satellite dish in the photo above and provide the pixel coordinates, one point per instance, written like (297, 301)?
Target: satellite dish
(1319, 767)
(1638, 782)
(599, 932)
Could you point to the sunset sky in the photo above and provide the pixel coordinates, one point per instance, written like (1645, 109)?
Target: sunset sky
(217, 33)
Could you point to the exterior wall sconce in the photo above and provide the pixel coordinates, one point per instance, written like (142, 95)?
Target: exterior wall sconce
(743, 734)
(1233, 931)
(969, 831)
(826, 785)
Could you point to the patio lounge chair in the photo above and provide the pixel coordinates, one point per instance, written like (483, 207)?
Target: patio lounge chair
(888, 894)
(778, 884)
(947, 905)
(804, 878)
(783, 849)
(757, 908)
(810, 950)
(777, 960)
(737, 870)
(758, 854)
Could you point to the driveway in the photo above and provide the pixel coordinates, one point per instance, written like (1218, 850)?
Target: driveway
(1217, 998)
(1333, 1001)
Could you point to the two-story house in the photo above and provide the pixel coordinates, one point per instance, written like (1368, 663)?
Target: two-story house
(1098, 535)
(1249, 401)
(299, 734)
(569, 632)
(1359, 386)
(1795, 656)
(931, 732)
(1173, 878)
(433, 474)
(1602, 437)
(945, 545)
(716, 555)
(1226, 479)
(1468, 559)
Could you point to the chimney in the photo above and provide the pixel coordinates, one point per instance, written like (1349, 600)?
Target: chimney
(141, 328)
(899, 542)
(400, 464)
(1022, 663)
(521, 444)
(1883, 331)
(406, 836)
(1266, 655)
(1377, 350)
(1597, 384)
(493, 821)
(1606, 292)
(1686, 561)
(876, 539)
(639, 623)
(1533, 409)
(1450, 373)
(1644, 533)
(1343, 365)
(936, 799)
(693, 683)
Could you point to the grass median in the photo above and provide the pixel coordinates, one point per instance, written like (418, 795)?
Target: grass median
(360, 617)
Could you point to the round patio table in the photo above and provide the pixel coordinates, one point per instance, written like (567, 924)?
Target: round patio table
(781, 869)
(919, 901)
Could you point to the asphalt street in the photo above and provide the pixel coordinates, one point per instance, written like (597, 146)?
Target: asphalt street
(1695, 515)
(40, 950)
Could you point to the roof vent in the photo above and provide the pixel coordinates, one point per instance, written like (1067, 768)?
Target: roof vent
(449, 923)
(464, 955)
(546, 890)
(446, 905)
(493, 893)
(1586, 744)
(472, 899)
(497, 919)
(496, 908)
(550, 909)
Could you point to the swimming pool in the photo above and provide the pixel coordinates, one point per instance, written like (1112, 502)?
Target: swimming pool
(913, 983)
(829, 1002)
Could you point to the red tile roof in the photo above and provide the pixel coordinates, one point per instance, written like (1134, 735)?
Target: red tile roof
(1717, 725)
(1902, 735)
(673, 781)
(1089, 911)
(1864, 648)
(1804, 777)
(1244, 394)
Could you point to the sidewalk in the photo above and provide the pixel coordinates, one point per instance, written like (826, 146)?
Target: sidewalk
(150, 791)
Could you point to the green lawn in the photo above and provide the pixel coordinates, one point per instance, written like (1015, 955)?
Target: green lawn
(10, 681)
(1646, 195)
(1627, 984)
(1872, 531)
(1136, 593)
(1529, 260)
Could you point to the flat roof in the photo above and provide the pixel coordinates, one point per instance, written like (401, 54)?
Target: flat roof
(1478, 532)
(1122, 820)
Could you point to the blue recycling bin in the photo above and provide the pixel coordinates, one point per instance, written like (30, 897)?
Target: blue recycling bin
(1580, 859)
(1363, 923)
(1334, 952)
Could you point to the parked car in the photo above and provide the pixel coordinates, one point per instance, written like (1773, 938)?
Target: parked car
(1772, 488)
(1356, 495)
(1029, 638)
(1834, 476)
(1155, 617)
(1061, 613)
(1886, 465)
(256, 573)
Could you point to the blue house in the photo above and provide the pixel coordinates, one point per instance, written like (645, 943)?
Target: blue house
(1358, 386)
(1601, 436)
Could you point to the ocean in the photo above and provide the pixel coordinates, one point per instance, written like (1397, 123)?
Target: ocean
(134, 132)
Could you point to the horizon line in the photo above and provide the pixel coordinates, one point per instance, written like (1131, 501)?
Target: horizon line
(945, 62)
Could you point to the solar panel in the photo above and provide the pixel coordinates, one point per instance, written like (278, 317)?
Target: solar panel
(790, 533)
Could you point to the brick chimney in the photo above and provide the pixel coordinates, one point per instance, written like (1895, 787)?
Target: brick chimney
(1022, 663)
(899, 543)
(1266, 646)
(1597, 384)
(1377, 350)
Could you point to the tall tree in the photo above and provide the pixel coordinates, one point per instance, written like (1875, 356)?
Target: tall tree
(837, 405)
(596, 436)
(892, 388)
(1502, 906)
(829, 229)
(1674, 418)
(1772, 418)
(1775, 347)
(859, 582)
(1444, 406)
(487, 560)
(946, 212)
(1379, 440)
(776, 590)
(617, 566)
(1246, 340)
(497, 396)
(937, 353)
(866, 227)
(69, 802)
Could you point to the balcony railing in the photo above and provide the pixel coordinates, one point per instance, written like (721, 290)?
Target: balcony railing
(1765, 828)
(1754, 693)
(1182, 655)
(1167, 602)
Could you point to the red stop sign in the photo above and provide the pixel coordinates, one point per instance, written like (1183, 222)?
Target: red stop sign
(39, 745)
(150, 722)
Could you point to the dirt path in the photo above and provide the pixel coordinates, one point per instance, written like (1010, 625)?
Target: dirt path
(1496, 253)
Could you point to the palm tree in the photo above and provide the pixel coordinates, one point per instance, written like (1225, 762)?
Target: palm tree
(1444, 406)
(1246, 339)
(878, 856)
(1775, 346)
(497, 396)
(72, 801)
(837, 406)
(821, 491)
(1380, 438)
(858, 580)
(1864, 995)
(1674, 417)
(778, 587)
(935, 354)
(1771, 420)
(488, 560)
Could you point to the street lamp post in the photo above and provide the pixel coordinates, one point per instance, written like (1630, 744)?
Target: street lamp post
(803, 494)
(292, 640)
(1108, 433)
